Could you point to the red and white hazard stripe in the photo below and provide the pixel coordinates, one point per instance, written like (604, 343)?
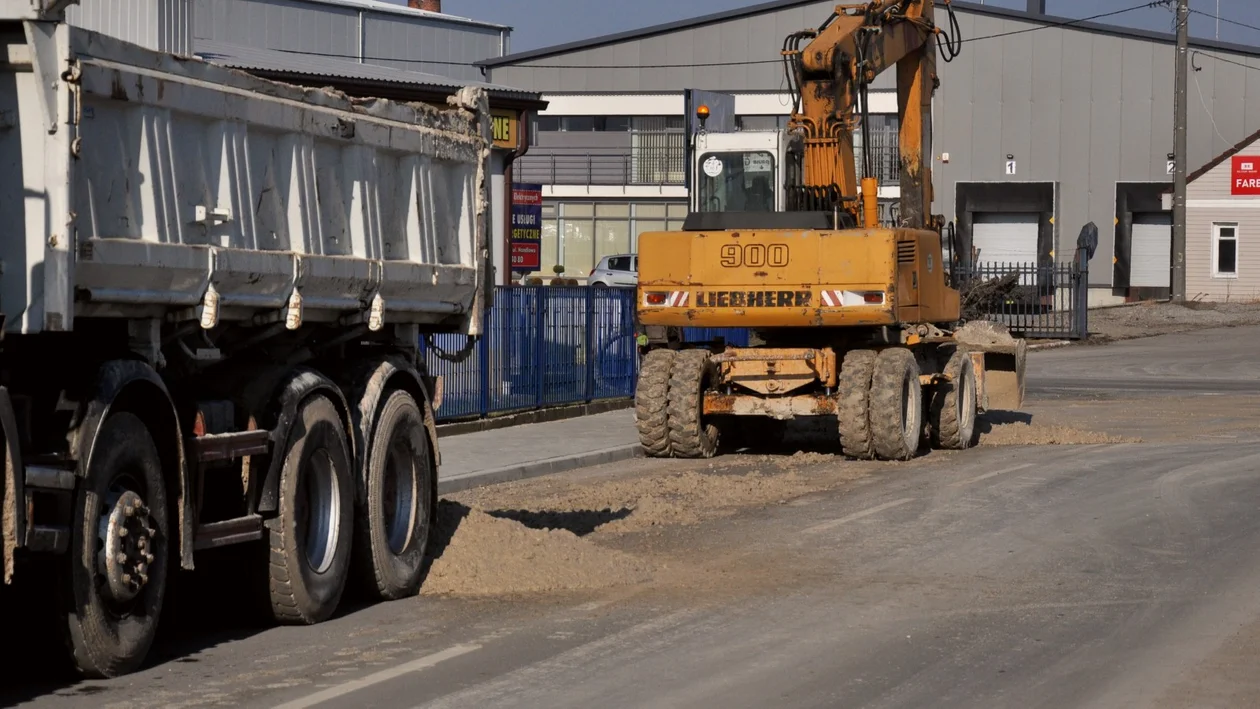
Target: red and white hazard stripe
(832, 298)
(677, 299)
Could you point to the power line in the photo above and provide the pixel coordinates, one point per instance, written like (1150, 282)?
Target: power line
(704, 65)
(1197, 52)
(1068, 23)
(1226, 20)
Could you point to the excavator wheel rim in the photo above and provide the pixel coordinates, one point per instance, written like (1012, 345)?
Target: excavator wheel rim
(651, 403)
(896, 409)
(689, 434)
(853, 404)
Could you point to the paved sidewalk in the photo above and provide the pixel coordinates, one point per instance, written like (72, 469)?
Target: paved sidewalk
(530, 450)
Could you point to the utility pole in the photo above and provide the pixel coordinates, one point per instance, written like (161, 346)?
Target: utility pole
(1180, 111)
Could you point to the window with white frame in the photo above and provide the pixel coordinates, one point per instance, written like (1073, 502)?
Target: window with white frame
(1224, 250)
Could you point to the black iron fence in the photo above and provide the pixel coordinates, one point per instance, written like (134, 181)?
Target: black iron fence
(1035, 301)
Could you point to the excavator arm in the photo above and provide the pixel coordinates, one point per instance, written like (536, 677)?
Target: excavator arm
(830, 76)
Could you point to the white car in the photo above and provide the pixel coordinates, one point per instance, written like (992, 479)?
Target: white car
(619, 271)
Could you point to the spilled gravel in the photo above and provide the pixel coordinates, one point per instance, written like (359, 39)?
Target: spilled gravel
(482, 555)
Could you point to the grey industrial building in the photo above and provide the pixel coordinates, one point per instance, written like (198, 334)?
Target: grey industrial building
(1041, 125)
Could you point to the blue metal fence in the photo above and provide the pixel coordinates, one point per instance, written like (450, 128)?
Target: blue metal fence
(543, 346)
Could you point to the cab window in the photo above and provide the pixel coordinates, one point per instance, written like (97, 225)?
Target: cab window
(736, 182)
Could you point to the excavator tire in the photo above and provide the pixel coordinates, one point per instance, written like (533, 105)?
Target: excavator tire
(853, 406)
(896, 410)
(651, 403)
(690, 436)
(953, 412)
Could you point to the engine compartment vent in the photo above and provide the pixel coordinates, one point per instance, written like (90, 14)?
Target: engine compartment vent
(906, 252)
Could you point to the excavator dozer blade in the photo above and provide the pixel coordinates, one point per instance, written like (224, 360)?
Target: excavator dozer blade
(998, 360)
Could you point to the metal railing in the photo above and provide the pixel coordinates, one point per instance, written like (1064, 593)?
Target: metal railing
(543, 346)
(1035, 301)
(639, 166)
(547, 346)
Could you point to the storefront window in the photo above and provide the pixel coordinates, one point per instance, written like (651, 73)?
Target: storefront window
(612, 230)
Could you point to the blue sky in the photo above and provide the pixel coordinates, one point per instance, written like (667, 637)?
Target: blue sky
(541, 23)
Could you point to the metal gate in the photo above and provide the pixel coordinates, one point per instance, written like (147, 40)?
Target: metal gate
(1036, 301)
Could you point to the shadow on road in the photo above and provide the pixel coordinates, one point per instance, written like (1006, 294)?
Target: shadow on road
(986, 421)
(579, 522)
(220, 602)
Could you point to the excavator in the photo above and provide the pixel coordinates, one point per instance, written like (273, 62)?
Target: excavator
(850, 320)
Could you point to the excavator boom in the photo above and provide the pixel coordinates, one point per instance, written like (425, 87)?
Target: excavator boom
(830, 76)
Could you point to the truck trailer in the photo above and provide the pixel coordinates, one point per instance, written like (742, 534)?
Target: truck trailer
(214, 290)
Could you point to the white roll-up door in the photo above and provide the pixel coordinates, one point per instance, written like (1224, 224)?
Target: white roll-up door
(1150, 260)
(1006, 239)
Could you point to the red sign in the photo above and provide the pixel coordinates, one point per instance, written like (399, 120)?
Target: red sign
(526, 195)
(525, 257)
(1245, 176)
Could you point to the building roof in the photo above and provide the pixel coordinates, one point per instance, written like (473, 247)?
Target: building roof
(773, 5)
(308, 68)
(403, 9)
(1216, 161)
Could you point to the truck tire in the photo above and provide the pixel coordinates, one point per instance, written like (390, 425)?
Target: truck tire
(953, 412)
(397, 514)
(651, 403)
(309, 541)
(689, 435)
(854, 404)
(119, 549)
(896, 410)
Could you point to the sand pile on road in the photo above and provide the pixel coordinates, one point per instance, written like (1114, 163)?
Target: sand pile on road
(490, 556)
(635, 504)
(1021, 433)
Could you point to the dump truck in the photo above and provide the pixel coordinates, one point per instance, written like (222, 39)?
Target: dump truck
(849, 320)
(214, 293)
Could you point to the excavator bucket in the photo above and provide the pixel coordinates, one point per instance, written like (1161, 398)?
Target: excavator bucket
(998, 360)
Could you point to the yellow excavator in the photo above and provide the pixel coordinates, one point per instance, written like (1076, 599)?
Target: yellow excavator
(848, 319)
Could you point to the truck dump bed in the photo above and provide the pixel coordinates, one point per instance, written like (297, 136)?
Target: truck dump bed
(140, 184)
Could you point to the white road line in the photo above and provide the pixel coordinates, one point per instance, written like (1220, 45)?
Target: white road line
(856, 516)
(992, 474)
(383, 676)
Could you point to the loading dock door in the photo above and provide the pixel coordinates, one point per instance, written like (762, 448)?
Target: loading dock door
(1151, 262)
(1005, 238)
(1008, 238)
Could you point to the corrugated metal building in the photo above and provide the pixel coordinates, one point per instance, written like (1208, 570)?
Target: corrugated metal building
(361, 47)
(1041, 125)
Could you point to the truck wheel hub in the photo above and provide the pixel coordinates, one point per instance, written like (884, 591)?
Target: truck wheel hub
(127, 541)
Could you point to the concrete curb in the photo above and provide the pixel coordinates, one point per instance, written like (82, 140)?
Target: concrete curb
(558, 413)
(538, 468)
(1049, 345)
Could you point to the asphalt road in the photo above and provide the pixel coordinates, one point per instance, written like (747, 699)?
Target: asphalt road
(1058, 576)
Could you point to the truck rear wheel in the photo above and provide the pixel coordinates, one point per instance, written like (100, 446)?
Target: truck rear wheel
(689, 434)
(310, 540)
(397, 515)
(854, 404)
(651, 403)
(896, 410)
(119, 548)
(953, 414)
